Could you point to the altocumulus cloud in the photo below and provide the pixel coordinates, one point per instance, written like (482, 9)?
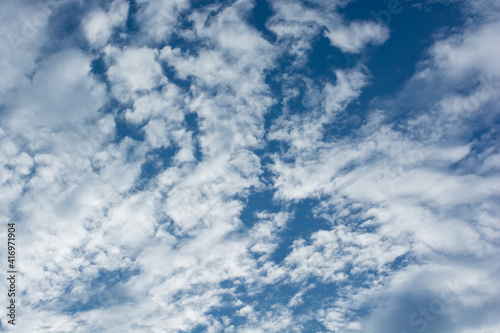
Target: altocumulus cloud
(252, 165)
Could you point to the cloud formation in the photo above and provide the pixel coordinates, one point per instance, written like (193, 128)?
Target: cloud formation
(177, 166)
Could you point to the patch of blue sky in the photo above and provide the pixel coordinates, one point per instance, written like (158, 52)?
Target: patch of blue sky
(301, 225)
(258, 201)
(131, 23)
(98, 68)
(412, 32)
(261, 12)
(106, 290)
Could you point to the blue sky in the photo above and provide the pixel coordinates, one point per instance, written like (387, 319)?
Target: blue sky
(252, 166)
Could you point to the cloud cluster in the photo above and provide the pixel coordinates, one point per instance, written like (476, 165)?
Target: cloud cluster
(174, 168)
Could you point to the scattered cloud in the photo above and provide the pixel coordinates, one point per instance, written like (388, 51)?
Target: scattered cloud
(181, 166)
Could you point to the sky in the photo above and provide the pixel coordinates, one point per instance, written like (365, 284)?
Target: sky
(251, 166)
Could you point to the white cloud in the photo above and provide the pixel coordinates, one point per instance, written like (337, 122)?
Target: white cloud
(304, 131)
(98, 25)
(134, 72)
(400, 178)
(354, 37)
(407, 206)
(475, 50)
(157, 19)
(165, 103)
